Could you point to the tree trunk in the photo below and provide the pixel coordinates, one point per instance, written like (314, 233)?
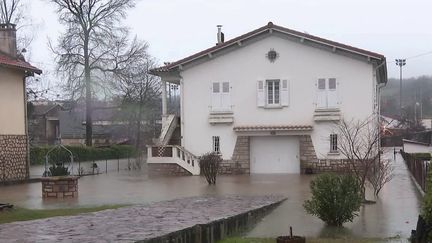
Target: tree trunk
(89, 111)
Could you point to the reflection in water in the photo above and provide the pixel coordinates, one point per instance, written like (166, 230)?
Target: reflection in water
(395, 212)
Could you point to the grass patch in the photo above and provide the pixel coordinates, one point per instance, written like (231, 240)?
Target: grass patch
(313, 240)
(23, 214)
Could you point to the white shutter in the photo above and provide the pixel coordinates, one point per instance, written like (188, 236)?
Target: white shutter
(260, 93)
(284, 95)
(332, 96)
(226, 96)
(216, 102)
(321, 93)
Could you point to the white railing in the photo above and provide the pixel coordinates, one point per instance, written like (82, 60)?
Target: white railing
(173, 154)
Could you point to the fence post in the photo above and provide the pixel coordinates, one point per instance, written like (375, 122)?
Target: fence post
(106, 166)
(118, 164)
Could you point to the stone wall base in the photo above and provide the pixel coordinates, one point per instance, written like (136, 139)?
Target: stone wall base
(166, 169)
(60, 187)
(13, 158)
(231, 167)
(331, 165)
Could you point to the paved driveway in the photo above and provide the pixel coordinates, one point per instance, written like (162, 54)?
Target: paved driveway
(395, 212)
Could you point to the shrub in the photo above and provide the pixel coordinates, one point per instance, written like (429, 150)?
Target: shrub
(58, 170)
(209, 165)
(427, 200)
(422, 156)
(80, 153)
(336, 199)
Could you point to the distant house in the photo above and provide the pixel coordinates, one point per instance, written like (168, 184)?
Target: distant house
(13, 121)
(267, 101)
(44, 123)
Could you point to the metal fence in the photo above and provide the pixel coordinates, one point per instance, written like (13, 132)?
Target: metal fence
(419, 169)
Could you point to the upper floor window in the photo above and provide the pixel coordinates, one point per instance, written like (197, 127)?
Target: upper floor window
(327, 93)
(220, 98)
(273, 93)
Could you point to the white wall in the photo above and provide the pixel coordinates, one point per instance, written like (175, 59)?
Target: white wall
(12, 117)
(416, 148)
(302, 65)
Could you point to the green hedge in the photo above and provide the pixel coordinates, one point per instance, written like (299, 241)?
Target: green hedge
(422, 156)
(80, 153)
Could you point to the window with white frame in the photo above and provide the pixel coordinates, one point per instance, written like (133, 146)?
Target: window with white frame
(216, 144)
(333, 143)
(273, 92)
(327, 93)
(220, 98)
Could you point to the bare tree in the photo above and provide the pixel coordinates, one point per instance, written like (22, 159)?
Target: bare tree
(140, 92)
(359, 143)
(10, 11)
(15, 12)
(381, 173)
(94, 47)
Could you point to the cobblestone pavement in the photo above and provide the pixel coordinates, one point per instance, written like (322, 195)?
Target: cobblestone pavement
(133, 223)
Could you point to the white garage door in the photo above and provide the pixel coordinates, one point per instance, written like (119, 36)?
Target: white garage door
(275, 154)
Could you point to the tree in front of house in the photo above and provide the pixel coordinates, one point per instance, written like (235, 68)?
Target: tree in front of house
(95, 50)
(359, 143)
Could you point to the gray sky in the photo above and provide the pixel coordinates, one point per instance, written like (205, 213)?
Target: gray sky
(175, 29)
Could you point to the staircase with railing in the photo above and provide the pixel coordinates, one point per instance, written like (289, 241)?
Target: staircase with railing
(169, 125)
(173, 154)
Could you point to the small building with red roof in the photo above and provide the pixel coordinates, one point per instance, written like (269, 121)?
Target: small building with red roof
(14, 70)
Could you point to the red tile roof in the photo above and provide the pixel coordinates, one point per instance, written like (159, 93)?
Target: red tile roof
(273, 128)
(17, 63)
(268, 27)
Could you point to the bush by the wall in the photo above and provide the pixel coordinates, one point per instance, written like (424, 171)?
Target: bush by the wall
(209, 166)
(422, 156)
(80, 153)
(336, 199)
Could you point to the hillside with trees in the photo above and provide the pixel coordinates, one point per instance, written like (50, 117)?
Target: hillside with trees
(416, 98)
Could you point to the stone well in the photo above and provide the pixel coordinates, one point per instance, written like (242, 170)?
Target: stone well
(60, 187)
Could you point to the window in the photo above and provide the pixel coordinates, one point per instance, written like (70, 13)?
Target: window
(333, 143)
(327, 94)
(221, 97)
(273, 92)
(216, 144)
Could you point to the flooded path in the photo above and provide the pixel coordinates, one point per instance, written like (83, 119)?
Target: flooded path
(395, 212)
(184, 220)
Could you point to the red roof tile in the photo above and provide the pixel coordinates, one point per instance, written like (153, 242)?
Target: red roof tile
(273, 128)
(17, 63)
(267, 27)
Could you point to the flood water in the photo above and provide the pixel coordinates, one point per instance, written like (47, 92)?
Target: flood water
(395, 212)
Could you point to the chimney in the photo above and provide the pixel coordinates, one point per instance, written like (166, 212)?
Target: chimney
(220, 35)
(8, 39)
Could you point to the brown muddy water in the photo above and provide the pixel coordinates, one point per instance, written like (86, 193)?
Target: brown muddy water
(394, 214)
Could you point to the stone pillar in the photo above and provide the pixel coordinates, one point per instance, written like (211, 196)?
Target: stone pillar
(164, 101)
(308, 157)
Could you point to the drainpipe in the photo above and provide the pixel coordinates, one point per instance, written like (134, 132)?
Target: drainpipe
(26, 129)
(182, 117)
(378, 94)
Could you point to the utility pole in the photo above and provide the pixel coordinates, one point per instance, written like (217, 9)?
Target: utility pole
(400, 63)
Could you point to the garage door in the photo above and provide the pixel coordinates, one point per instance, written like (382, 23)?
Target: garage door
(275, 154)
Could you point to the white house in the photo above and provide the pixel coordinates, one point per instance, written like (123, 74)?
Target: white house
(267, 101)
